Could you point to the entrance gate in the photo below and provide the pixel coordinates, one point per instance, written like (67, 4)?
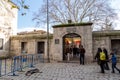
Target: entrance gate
(71, 44)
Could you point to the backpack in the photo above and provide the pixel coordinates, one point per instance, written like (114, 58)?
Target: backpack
(102, 56)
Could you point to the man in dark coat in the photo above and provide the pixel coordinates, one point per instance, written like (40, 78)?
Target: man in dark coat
(82, 55)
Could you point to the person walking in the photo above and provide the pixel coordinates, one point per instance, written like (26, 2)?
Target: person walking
(97, 56)
(114, 62)
(82, 55)
(100, 56)
(102, 61)
(106, 66)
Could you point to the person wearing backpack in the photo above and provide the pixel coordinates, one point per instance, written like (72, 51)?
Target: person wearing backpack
(106, 66)
(102, 61)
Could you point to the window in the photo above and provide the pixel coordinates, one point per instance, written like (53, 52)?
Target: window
(40, 47)
(1, 44)
(23, 47)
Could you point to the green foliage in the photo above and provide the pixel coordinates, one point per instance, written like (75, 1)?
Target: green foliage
(26, 7)
(19, 37)
(106, 33)
(13, 6)
(19, 4)
(72, 24)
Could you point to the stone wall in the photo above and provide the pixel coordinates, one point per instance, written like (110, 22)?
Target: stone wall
(8, 24)
(90, 40)
(104, 38)
(31, 44)
(100, 42)
(15, 48)
(86, 39)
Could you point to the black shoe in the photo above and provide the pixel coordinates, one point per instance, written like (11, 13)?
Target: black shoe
(107, 69)
(112, 72)
(119, 71)
(102, 72)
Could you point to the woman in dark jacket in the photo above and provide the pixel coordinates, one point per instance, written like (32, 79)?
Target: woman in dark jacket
(100, 62)
(97, 56)
(107, 59)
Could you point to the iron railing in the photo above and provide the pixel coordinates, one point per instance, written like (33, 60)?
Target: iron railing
(18, 63)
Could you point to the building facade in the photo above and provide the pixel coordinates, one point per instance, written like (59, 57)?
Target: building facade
(8, 25)
(108, 39)
(63, 37)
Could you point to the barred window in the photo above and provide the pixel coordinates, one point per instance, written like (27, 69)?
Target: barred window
(1, 43)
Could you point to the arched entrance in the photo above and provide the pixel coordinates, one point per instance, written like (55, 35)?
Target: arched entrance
(71, 44)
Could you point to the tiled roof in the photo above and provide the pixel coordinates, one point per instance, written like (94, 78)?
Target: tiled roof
(32, 32)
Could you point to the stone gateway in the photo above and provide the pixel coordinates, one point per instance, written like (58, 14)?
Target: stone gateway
(70, 36)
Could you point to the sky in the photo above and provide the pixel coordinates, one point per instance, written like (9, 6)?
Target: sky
(25, 22)
(115, 5)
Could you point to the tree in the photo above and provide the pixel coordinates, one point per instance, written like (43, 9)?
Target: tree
(60, 11)
(22, 5)
(19, 4)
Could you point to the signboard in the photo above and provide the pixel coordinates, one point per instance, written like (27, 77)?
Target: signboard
(56, 41)
(71, 29)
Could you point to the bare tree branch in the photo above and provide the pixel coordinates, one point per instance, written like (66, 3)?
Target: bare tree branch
(95, 11)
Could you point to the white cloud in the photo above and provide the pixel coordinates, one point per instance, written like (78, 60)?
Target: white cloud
(117, 22)
(117, 25)
(27, 29)
(115, 4)
(33, 28)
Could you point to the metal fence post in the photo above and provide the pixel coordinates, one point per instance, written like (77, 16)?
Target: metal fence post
(14, 66)
(21, 66)
(31, 64)
(17, 64)
(0, 67)
(5, 66)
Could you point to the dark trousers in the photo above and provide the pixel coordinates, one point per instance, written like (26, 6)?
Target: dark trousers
(102, 66)
(82, 57)
(106, 66)
(114, 67)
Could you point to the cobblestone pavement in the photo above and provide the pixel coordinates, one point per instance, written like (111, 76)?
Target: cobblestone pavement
(66, 71)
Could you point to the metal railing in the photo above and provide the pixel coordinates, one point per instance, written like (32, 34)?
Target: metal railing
(18, 63)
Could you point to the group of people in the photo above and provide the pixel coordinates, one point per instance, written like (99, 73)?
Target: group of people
(77, 51)
(102, 58)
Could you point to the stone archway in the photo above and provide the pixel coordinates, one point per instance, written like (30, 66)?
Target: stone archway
(71, 42)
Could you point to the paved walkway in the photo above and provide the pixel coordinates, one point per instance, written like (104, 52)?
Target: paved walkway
(66, 71)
